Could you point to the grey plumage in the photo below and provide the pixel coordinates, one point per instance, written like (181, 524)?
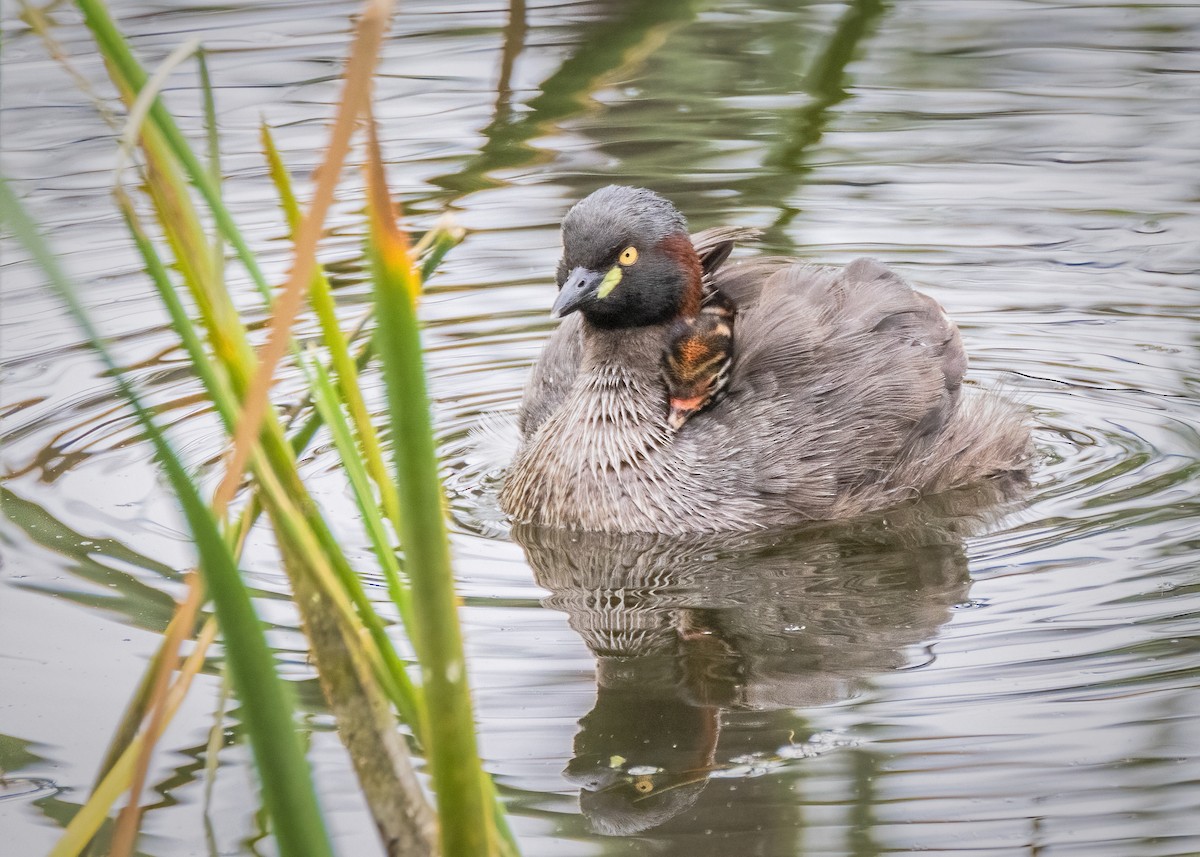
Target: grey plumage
(616, 215)
(845, 396)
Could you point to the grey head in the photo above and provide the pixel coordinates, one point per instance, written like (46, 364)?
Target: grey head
(627, 260)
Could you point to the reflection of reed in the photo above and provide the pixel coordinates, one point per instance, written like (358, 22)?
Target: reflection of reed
(514, 42)
(824, 82)
(620, 42)
(695, 639)
(102, 564)
(624, 39)
(803, 127)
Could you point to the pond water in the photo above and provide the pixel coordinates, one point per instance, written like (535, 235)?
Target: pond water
(1017, 680)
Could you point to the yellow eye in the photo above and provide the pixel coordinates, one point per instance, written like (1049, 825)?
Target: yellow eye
(628, 256)
(643, 784)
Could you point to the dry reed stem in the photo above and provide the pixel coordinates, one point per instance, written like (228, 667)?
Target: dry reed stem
(356, 92)
(125, 834)
(84, 825)
(126, 831)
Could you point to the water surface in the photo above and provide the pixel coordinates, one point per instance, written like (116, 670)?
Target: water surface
(1017, 680)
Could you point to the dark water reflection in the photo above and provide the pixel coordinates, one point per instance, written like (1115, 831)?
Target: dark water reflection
(699, 642)
(942, 679)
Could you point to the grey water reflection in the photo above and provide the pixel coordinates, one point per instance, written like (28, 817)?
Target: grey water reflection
(709, 649)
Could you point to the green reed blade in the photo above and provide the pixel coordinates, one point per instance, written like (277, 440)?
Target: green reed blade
(443, 238)
(391, 669)
(215, 383)
(466, 829)
(406, 697)
(321, 298)
(288, 791)
(319, 567)
(214, 148)
(210, 119)
(354, 672)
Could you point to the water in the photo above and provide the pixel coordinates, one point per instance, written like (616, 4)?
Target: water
(1017, 681)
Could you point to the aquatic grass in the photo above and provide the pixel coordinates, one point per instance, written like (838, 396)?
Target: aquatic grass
(354, 100)
(406, 698)
(288, 794)
(115, 781)
(149, 701)
(129, 76)
(182, 626)
(361, 674)
(454, 756)
(321, 297)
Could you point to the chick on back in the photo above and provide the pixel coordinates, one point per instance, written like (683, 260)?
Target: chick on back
(843, 391)
(699, 354)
